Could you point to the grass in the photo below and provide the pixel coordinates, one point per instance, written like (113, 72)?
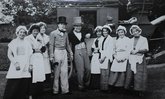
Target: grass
(4, 61)
(156, 89)
(2, 83)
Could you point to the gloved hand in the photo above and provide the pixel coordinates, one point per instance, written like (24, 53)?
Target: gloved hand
(17, 66)
(43, 49)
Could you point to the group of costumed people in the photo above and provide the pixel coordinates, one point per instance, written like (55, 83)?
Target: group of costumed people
(119, 62)
(116, 62)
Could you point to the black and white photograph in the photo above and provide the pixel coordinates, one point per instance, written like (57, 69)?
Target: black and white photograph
(82, 49)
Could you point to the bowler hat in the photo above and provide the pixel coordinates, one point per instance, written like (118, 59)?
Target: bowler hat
(62, 19)
(77, 21)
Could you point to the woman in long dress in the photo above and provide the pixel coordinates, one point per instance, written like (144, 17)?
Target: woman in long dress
(19, 52)
(139, 46)
(121, 56)
(106, 57)
(44, 50)
(36, 61)
(96, 55)
(44, 40)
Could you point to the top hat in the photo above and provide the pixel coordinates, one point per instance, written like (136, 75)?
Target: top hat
(62, 19)
(77, 21)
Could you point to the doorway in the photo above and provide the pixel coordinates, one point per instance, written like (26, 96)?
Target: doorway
(89, 19)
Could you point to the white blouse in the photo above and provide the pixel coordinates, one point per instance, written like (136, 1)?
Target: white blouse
(142, 44)
(122, 50)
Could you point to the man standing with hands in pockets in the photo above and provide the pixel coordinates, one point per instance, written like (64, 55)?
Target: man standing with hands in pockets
(81, 58)
(59, 47)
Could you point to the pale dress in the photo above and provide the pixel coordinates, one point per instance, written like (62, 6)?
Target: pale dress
(45, 41)
(21, 52)
(95, 63)
(38, 74)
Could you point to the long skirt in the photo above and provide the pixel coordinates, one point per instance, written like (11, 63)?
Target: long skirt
(95, 81)
(137, 81)
(104, 78)
(17, 89)
(117, 79)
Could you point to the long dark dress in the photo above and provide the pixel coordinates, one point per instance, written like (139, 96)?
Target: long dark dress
(137, 81)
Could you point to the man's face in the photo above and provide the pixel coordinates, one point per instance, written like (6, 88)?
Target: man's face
(77, 28)
(62, 26)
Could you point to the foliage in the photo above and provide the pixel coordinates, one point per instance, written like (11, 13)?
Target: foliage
(27, 11)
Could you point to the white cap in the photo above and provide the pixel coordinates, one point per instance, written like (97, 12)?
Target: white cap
(120, 27)
(135, 27)
(108, 27)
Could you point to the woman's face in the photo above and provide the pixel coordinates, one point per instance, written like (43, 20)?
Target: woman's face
(105, 32)
(77, 28)
(98, 33)
(121, 33)
(21, 34)
(136, 32)
(42, 29)
(35, 32)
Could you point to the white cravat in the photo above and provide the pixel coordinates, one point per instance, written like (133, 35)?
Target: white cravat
(78, 35)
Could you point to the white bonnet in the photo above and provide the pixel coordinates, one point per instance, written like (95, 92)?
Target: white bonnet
(41, 24)
(98, 28)
(135, 27)
(108, 27)
(21, 27)
(120, 27)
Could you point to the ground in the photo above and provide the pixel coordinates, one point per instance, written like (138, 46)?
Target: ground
(155, 90)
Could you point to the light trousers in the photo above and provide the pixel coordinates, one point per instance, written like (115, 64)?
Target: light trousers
(83, 68)
(61, 71)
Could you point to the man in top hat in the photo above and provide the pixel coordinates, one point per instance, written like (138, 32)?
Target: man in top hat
(59, 48)
(81, 58)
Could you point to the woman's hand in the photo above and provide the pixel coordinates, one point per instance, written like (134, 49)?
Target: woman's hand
(102, 60)
(30, 68)
(96, 50)
(134, 52)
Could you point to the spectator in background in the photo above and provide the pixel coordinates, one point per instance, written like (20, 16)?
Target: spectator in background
(81, 58)
(59, 46)
(19, 52)
(106, 57)
(111, 24)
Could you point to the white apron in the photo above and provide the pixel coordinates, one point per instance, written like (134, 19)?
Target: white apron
(122, 50)
(107, 52)
(138, 58)
(21, 52)
(37, 61)
(45, 41)
(95, 64)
